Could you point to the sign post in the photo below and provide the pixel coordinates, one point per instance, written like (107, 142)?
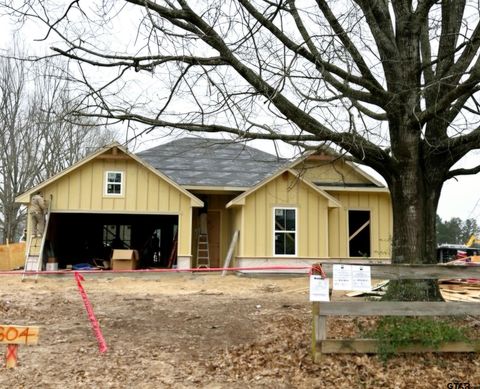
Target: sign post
(13, 336)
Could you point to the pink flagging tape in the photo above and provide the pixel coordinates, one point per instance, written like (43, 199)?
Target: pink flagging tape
(102, 345)
(188, 270)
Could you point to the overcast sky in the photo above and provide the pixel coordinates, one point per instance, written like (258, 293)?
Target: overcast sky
(460, 197)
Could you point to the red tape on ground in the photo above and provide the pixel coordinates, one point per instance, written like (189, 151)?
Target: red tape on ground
(189, 270)
(102, 345)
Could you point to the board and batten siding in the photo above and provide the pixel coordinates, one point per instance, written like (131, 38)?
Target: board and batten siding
(237, 225)
(286, 191)
(379, 205)
(328, 171)
(144, 192)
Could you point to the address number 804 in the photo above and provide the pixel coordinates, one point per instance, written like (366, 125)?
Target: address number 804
(18, 334)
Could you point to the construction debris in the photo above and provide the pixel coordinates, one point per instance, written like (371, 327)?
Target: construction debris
(460, 290)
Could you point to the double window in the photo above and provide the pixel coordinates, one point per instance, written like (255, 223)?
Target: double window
(285, 231)
(114, 183)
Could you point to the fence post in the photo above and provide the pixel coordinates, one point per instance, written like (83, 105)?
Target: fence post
(319, 331)
(319, 322)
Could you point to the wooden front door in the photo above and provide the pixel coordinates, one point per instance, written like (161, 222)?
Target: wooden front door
(213, 226)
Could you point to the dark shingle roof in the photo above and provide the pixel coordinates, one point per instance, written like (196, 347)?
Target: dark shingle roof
(212, 162)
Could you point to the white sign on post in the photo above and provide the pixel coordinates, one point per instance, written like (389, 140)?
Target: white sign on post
(352, 277)
(361, 278)
(342, 277)
(319, 288)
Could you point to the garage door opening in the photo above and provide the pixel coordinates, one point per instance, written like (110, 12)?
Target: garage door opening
(90, 238)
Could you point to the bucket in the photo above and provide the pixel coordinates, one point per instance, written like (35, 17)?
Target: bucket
(52, 266)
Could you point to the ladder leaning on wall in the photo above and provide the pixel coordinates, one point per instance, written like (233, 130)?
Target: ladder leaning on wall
(34, 251)
(203, 254)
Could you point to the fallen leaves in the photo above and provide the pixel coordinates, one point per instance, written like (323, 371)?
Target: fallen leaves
(232, 333)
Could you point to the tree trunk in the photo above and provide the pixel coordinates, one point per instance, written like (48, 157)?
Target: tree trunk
(415, 193)
(10, 223)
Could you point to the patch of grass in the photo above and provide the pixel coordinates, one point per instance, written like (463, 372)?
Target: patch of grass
(394, 332)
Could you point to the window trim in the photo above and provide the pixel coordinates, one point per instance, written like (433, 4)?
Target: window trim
(121, 183)
(295, 232)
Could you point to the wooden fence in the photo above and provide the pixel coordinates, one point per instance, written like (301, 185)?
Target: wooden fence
(321, 310)
(12, 256)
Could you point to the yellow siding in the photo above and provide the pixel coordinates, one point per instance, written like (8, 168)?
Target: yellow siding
(131, 190)
(218, 203)
(379, 206)
(96, 195)
(285, 191)
(328, 171)
(143, 193)
(82, 190)
(237, 217)
(85, 186)
(184, 226)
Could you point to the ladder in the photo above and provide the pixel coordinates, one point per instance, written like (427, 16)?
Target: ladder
(34, 251)
(203, 255)
(33, 258)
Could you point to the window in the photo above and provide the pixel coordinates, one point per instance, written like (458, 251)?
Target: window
(285, 231)
(114, 183)
(117, 236)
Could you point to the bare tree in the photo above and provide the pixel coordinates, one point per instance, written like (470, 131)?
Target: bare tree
(391, 82)
(36, 141)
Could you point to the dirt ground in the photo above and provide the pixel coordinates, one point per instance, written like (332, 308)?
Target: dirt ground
(195, 331)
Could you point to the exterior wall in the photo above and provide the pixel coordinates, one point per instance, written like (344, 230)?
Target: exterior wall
(256, 238)
(379, 205)
(82, 190)
(331, 172)
(237, 225)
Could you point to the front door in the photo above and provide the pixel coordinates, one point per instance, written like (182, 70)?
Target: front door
(213, 227)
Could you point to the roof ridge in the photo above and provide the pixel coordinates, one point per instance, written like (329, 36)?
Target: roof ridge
(211, 161)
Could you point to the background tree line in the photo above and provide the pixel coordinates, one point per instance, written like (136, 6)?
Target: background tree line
(37, 139)
(456, 230)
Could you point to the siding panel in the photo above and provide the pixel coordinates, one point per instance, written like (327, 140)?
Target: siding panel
(289, 192)
(380, 222)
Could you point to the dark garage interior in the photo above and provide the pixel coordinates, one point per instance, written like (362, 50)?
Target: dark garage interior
(74, 238)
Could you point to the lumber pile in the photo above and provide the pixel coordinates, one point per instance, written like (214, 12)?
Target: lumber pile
(460, 290)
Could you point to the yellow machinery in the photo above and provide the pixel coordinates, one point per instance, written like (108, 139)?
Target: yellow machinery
(473, 241)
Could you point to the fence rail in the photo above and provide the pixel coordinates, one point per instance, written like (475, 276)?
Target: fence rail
(413, 272)
(321, 310)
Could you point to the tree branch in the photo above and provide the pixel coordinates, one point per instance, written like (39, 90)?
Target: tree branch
(325, 68)
(350, 46)
(459, 146)
(462, 172)
(468, 87)
(381, 27)
(135, 62)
